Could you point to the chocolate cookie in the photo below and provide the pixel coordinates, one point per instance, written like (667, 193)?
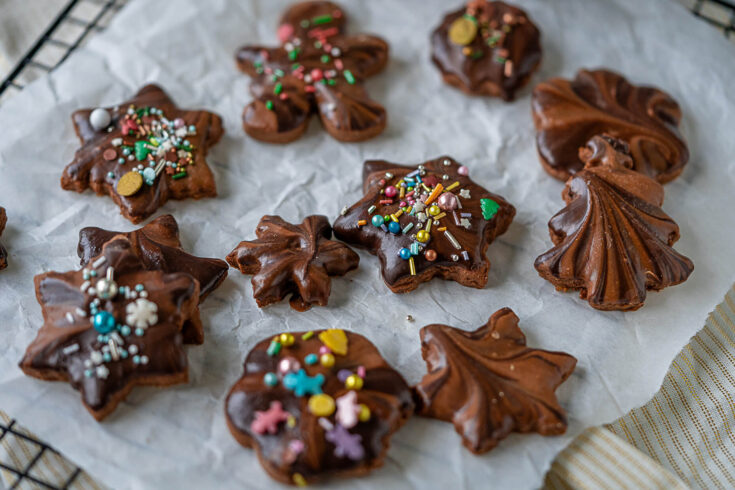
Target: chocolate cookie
(567, 113)
(112, 326)
(158, 247)
(425, 221)
(317, 70)
(3, 252)
(612, 240)
(317, 404)
(294, 260)
(489, 384)
(143, 153)
(487, 48)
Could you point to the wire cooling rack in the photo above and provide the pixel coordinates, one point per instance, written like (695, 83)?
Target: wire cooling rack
(25, 461)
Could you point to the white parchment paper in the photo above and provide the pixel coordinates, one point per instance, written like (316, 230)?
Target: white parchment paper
(176, 437)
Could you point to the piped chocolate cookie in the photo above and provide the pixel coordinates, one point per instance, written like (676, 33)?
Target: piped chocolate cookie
(612, 241)
(487, 48)
(143, 152)
(567, 113)
(425, 221)
(293, 260)
(158, 247)
(112, 326)
(318, 69)
(488, 383)
(317, 404)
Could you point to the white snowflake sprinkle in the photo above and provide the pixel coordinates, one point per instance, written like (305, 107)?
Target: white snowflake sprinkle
(141, 313)
(465, 194)
(102, 372)
(465, 222)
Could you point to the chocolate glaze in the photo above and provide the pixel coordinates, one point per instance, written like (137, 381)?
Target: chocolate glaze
(3, 252)
(567, 113)
(489, 384)
(385, 393)
(394, 269)
(178, 322)
(158, 247)
(295, 260)
(345, 109)
(484, 74)
(90, 169)
(612, 240)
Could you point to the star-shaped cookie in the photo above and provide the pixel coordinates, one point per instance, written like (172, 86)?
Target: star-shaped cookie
(489, 384)
(158, 247)
(143, 152)
(112, 326)
(425, 221)
(3, 252)
(317, 70)
(295, 260)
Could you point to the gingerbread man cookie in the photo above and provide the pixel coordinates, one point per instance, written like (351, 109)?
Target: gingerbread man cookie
(318, 69)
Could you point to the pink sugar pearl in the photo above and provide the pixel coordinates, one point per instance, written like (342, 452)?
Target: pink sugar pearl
(391, 191)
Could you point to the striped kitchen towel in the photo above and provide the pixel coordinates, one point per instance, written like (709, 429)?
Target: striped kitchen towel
(684, 437)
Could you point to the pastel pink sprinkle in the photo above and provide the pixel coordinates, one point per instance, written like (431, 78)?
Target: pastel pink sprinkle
(463, 170)
(284, 96)
(316, 74)
(338, 64)
(285, 31)
(324, 350)
(361, 371)
(296, 445)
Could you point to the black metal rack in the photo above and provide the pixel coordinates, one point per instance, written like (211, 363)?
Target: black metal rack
(67, 16)
(720, 13)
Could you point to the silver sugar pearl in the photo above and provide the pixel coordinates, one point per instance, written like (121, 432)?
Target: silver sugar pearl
(107, 288)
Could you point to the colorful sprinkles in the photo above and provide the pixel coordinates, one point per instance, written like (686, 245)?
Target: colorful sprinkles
(335, 415)
(493, 34)
(420, 206)
(151, 143)
(114, 335)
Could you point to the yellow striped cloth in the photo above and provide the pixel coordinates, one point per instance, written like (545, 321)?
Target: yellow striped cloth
(682, 438)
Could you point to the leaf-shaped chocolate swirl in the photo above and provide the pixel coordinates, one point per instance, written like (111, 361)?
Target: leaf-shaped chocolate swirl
(489, 384)
(567, 113)
(612, 240)
(294, 260)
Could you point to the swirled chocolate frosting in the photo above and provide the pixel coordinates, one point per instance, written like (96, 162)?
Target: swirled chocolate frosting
(105, 334)
(143, 152)
(318, 69)
(488, 383)
(317, 404)
(425, 221)
(612, 241)
(487, 48)
(158, 247)
(293, 260)
(3, 252)
(567, 113)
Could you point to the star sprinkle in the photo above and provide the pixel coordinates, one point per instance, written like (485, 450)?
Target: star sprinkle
(489, 384)
(422, 223)
(317, 70)
(295, 260)
(268, 421)
(3, 252)
(158, 247)
(86, 340)
(346, 445)
(143, 153)
(302, 384)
